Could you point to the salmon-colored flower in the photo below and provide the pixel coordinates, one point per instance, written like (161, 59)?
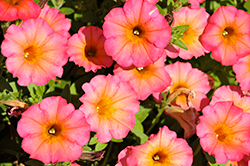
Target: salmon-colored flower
(227, 35)
(242, 72)
(224, 131)
(53, 131)
(34, 52)
(197, 21)
(145, 80)
(110, 106)
(232, 93)
(11, 10)
(163, 148)
(86, 49)
(191, 85)
(195, 3)
(56, 20)
(136, 34)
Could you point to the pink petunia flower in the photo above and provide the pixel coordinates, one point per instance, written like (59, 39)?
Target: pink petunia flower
(53, 131)
(56, 20)
(197, 21)
(224, 131)
(34, 52)
(229, 31)
(110, 106)
(185, 78)
(195, 3)
(242, 71)
(145, 80)
(163, 148)
(136, 34)
(86, 49)
(11, 10)
(232, 93)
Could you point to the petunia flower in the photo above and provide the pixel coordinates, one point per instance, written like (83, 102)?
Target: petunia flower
(11, 10)
(197, 21)
(56, 20)
(242, 72)
(195, 3)
(136, 34)
(229, 30)
(86, 49)
(145, 80)
(190, 84)
(224, 131)
(163, 148)
(34, 52)
(53, 131)
(232, 93)
(110, 106)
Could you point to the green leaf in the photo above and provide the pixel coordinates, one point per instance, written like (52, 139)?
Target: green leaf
(212, 161)
(58, 3)
(180, 44)
(143, 137)
(161, 11)
(34, 162)
(100, 146)
(138, 125)
(179, 29)
(93, 141)
(67, 10)
(32, 88)
(4, 84)
(66, 93)
(6, 164)
(247, 6)
(117, 140)
(143, 113)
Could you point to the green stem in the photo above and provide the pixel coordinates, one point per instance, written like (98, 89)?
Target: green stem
(156, 120)
(197, 150)
(107, 154)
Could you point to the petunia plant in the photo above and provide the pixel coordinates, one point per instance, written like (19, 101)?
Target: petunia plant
(124, 83)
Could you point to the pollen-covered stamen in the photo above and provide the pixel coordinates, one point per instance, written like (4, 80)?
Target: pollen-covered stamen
(139, 68)
(52, 131)
(55, 130)
(26, 54)
(156, 157)
(229, 33)
(137, 31)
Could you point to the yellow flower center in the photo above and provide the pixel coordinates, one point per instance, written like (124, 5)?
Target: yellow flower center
(136, 34)
(12, 2)
(32, 54)
(159, 157)
(145, 72)
(53, 131)
(105, 108)
(229, 34)
(223, 133)
(90, 51)
(189, 36)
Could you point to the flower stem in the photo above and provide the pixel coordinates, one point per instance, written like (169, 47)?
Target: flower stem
(108, 153)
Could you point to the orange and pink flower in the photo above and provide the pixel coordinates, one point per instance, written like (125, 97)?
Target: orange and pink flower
(136, 34)
(232, 93)
(242, 72)
(163, 148)
(86, 49)
(53, 131)
(56, 20)
(35, 53)
(11, 10)
(197, 21)
(145, 80)
(110, 106)
(186, 78)
(229, 30)
(224, 131)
